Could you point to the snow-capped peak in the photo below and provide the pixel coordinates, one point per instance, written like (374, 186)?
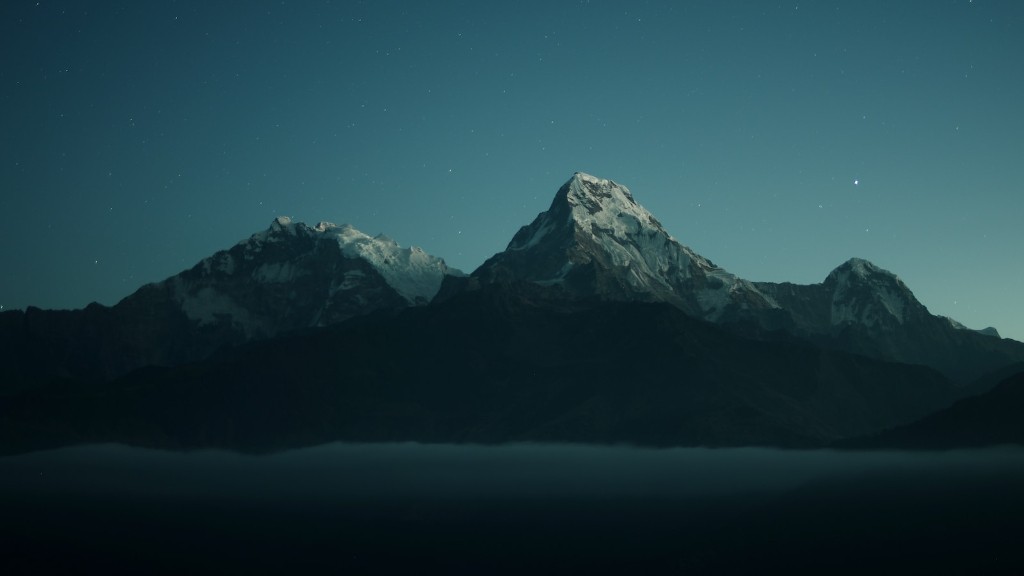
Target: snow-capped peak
(867, 294)
(595, 224)
(863, 268)
(607, 207)
(860, 270)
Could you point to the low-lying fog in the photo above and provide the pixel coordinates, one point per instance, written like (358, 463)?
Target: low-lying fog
(515, 506)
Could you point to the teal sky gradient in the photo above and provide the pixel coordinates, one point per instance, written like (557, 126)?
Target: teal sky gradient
(778, 139)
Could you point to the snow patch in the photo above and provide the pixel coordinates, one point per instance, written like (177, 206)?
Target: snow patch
(546, 227)
(226, 263)
(352, 279)
(207, 306)
(275, 273)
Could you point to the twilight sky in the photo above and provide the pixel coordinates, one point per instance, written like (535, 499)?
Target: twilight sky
(776, 138)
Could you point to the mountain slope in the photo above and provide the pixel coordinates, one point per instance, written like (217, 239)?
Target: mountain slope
(989, 419)
(503, 363)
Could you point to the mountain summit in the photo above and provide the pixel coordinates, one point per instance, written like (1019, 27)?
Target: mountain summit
(595, 240)
(856, 293)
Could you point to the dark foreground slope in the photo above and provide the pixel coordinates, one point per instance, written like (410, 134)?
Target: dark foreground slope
(505, 363)
(990, 419)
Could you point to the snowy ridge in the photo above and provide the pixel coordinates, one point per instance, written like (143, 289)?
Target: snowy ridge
(413, 273)
(280, 228)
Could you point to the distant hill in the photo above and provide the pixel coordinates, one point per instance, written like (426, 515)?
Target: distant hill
(993, 418)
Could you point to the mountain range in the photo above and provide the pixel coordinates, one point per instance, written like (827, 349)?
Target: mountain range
(593, 325)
